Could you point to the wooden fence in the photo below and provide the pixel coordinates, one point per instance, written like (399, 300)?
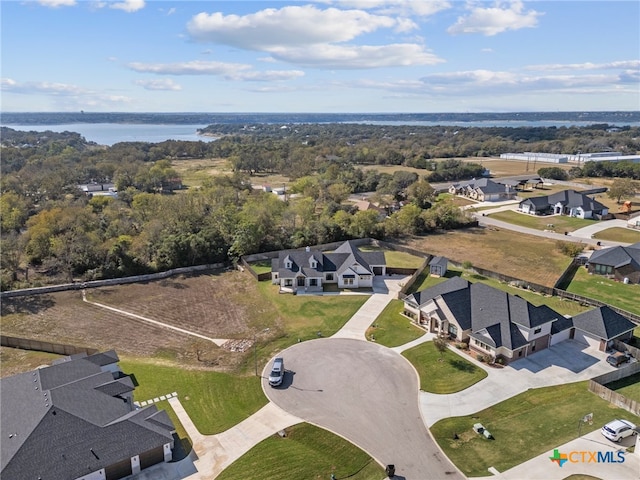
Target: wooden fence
(42, 346)
(598, 384)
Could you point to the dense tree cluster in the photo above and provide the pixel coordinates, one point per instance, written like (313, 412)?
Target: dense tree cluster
(49, 225)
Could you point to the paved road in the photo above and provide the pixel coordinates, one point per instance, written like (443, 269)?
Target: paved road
(366, 393)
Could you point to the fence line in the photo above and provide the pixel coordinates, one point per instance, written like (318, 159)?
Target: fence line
(110, 281)
(42, 346)
(598, 384)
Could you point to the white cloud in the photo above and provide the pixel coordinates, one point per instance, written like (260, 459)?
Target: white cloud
(70, 96)
(128, 6)
(356, 56)
(497, 19)
(398, 7)
(230, 71)
(164, 84)
(57, 3)
(626, 64)
(291, 25)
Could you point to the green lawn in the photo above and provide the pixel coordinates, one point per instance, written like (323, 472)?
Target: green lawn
(263, 266)
(629, 386)
(396, 259)
(619, 234)
(307, 452)
(561, 223)
(448, 373)
(606, 290)
(524, 427)
(214, 401)
(392, 329)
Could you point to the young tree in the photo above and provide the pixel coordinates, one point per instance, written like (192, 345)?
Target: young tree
(622, 187)
(441, 345)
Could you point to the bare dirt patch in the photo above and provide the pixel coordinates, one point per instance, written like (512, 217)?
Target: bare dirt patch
(530, 258)
(222, 305)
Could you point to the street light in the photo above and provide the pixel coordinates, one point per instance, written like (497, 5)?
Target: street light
(255, 348)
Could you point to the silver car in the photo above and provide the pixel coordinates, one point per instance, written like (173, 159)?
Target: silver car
(277, 372)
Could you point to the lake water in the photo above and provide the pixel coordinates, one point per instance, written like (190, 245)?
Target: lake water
(110, 133)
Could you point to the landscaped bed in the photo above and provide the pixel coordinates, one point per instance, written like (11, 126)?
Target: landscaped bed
(306, 452)
(392, 329)
(442, 373)
(523, 427)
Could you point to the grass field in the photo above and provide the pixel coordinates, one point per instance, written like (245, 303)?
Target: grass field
(448, 373)
(391, 329)
(561, 223)
(528, 257)
(306, 452)
(628, 386)
(619, 234)
(606, 290)
(524, 426)
(214, 401)
(13, 360)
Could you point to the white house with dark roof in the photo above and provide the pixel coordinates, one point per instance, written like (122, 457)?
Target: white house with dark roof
(76, 420)
(483, 190)
(566, 202)
(501, 325)
(617, 262)
(309, 270)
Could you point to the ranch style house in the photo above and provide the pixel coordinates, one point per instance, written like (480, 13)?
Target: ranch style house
(308, 270)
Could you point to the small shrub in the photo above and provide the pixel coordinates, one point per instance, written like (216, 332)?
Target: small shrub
(569, 249)
(482, 358)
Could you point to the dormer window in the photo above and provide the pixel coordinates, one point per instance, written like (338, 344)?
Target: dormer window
(288, 264)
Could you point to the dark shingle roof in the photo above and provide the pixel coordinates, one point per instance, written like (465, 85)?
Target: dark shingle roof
(617, 256)
(451, 285)
(603, 322)
(50, 421)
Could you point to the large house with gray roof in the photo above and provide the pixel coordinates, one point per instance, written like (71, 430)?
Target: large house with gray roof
(76, 420)
(505, 326)
(308, 270)
(618, 262)
(484, 190)
(566, 202)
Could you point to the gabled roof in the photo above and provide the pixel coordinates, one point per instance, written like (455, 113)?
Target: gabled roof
(441, 261)
(618, 256)
(72, 418)
(603, 322)
(537, 202)
(492, 315)
(573, 199)
(346, 256)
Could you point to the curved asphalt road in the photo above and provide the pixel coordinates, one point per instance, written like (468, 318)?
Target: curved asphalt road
(366, 393)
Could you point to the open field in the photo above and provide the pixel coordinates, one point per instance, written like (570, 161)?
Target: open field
(606, 290)
(530, 258)
(229, 305)
(194, 172)
(618, 234)
(561, 223)
(444, 374)
(306, 452)
(14, 360)
(524, 426)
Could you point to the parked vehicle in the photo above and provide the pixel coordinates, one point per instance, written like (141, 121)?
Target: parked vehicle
(277, 372)
(618, 359)
(618, 429)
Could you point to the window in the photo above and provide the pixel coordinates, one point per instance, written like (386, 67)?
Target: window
(288, 265)
(348, 281)
(329, 277)
(537, 330)
(288, 282)
(453, 330)
(313, 282)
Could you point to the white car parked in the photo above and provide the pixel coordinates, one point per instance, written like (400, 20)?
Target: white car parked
(618, 429)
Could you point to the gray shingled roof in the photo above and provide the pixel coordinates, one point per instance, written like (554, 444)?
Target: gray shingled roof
(52, 417)
(603, 322)
(567, 198)
(617, 256)
(441, 261)
(337, 261)
(451, 285)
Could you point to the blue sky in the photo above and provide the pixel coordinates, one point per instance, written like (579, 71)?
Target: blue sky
(324, 56)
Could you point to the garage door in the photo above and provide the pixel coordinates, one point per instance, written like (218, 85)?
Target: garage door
(587, 339)
(377, 270)
(560, 336)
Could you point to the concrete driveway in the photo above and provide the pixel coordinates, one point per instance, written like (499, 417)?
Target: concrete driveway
(367, 394)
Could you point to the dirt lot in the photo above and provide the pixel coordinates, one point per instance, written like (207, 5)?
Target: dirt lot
(530, 258)
(217, 306)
